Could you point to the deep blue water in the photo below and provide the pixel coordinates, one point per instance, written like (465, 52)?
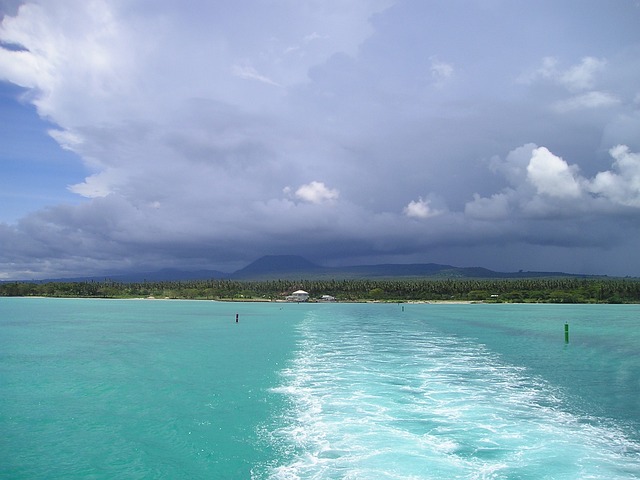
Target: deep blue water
(172, 389)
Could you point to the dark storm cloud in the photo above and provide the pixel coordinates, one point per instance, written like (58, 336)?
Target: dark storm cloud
(487, 133)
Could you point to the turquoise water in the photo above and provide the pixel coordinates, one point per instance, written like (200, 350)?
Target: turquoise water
(170, 389)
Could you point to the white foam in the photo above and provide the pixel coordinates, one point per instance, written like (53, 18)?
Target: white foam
(368, 405)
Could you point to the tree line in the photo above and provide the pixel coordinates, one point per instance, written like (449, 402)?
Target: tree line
(542, 290)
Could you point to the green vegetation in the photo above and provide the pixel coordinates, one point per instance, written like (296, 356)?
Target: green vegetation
(556, 290)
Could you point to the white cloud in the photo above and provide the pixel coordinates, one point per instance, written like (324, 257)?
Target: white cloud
(69, 46)
(420, 209)
(66, 139)
(557, 185)
(250, 73)
(313, 36)
(494, 208)
(582, 76)
(578, 77)
(514, 167)
(97, 185)
(587, 100)
(621, 186)
(440, 71)
(548, 69)
(317, 193)
(551, 175)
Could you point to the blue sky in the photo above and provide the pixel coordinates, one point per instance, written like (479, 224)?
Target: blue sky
(35, 170)
(146, 134)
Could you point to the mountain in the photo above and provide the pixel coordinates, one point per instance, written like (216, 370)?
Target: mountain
(279, 266)
(407, 270)
(294, 267)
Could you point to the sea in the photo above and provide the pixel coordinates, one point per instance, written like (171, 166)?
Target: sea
(164, 389)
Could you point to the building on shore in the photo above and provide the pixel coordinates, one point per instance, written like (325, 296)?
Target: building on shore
(327, 298)
(298, 296)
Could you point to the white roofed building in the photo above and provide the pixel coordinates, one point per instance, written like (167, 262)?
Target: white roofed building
(298, 296)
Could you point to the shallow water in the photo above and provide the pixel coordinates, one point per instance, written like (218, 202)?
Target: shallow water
(171, 389)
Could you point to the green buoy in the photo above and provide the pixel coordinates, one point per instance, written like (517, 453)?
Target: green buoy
(566, 333)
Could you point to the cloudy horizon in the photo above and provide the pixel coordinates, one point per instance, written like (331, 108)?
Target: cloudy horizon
(140, 135)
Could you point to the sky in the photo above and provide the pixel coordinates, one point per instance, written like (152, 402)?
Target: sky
(149, 134)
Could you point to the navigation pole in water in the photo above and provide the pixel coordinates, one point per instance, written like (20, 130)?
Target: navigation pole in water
(566, 332)
(236, 318)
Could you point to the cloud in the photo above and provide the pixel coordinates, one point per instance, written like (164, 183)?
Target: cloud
(587, 100)
(578, 77)
(551, 175)
(621, 186)
(317, 193)
(420, 209)
(97, 185)
(495, 207)
(313, 36)
(551, 187)
(441, 72)
(249, 73)
(579, 80)
(581, 76)
(185, 124)
(514, 167)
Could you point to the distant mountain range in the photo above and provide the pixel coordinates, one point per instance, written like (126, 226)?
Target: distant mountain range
(293, 266)
(287, 267)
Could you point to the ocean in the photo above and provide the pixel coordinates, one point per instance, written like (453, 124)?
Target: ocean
(137, 389)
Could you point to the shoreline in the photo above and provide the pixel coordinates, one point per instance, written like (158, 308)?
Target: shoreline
(257, 300)
(280, 302)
